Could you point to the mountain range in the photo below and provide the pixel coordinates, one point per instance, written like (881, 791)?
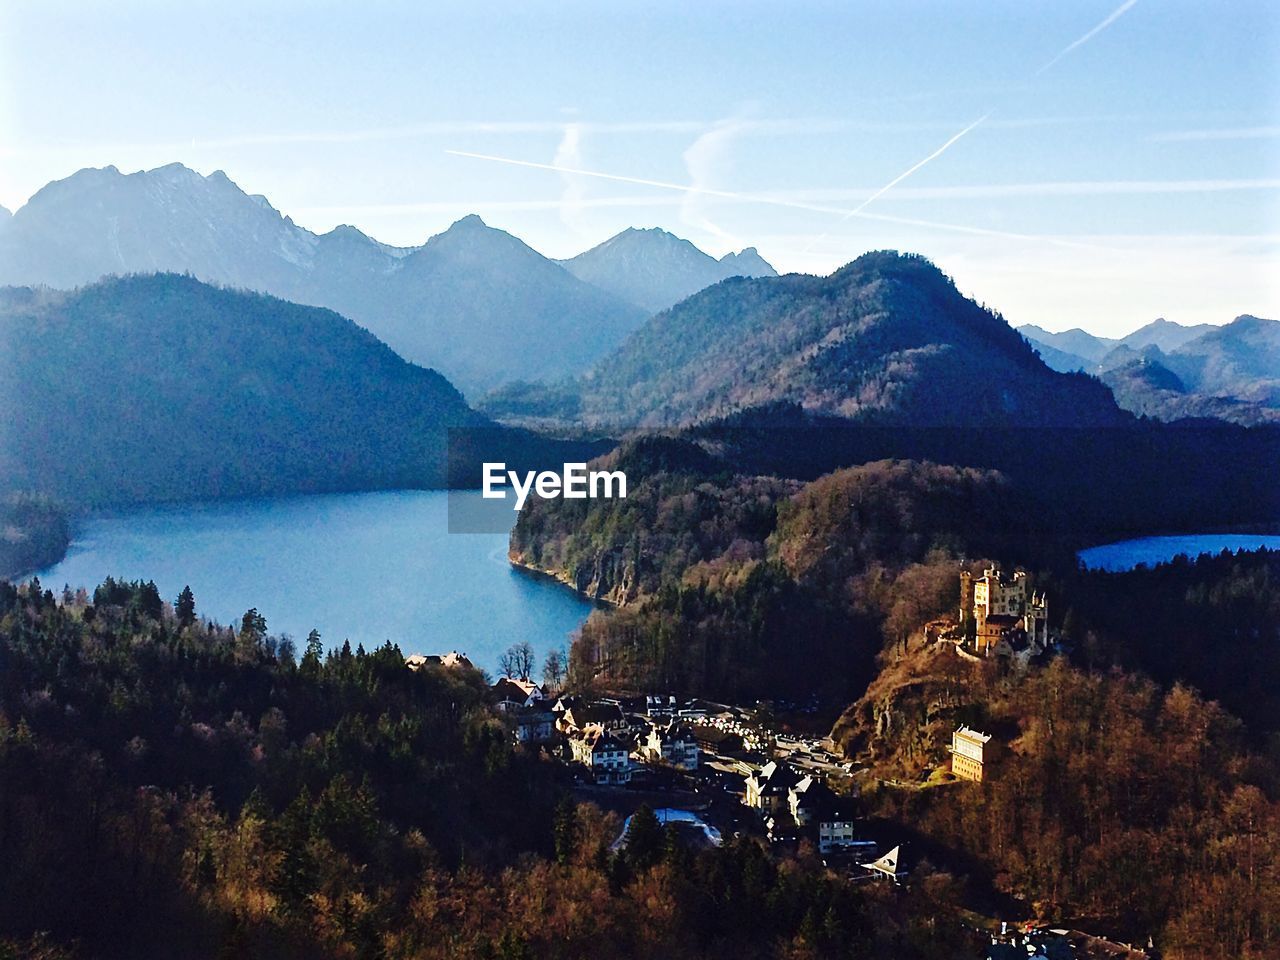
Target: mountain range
(474, 302)
(1078, 349)
(1171, 372)
(885, 339)
(654, 269)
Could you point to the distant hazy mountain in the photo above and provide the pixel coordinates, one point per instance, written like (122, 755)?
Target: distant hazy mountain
(99, 221)
(479, 304)
(161, 387)
(1078, 349)
(1061, 360)
(886, 339)
(486, 308)
(1171, 372)
(654, 269)
(1147, 387)
(1165, 334)
(1240, 359)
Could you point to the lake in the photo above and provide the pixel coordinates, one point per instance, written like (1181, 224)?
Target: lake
(1127, 554)
(367, 567)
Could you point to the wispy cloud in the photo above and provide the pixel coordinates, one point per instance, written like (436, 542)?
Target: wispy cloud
(1111, 18)
(758, 126)
(774, 201)
(1049, 188)
(1231, 133)
(569, 155)
(348, 211)
(704, 160)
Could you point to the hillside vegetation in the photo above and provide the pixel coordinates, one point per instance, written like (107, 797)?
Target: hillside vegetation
(34, 532)
(169, 787)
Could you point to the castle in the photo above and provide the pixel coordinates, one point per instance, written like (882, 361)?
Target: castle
(994, 608)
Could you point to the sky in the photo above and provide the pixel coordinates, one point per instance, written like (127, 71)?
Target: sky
(1093, 164)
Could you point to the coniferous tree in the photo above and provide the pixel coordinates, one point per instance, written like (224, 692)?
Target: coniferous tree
(185, 608)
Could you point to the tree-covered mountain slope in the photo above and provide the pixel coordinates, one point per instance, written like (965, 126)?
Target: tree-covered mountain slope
(886, 339)
(162, 387)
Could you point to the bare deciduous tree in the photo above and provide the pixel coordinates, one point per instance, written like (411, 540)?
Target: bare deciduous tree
(517, 662)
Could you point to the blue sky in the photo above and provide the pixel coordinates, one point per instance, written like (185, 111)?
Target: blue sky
(1128, 165)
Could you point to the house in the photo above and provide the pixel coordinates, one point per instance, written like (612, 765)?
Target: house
(836, 820)
(603, 754)
(452, 660)
(509, 694)
(717, 740)
(819, 811)
(563, 703)
(768, 788)
(806, 799)
(971, 754)
(655, 706)
(890, 865)
(671, 743)
(534, 725)
(580, 716)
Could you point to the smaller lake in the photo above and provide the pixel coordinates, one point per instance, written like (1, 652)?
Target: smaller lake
(368, 567)
(1127, 554)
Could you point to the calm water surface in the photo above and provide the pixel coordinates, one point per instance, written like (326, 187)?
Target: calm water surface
(1127, 554)
(367, 567)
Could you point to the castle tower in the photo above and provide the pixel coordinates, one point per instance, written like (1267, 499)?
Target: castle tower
(966, 603)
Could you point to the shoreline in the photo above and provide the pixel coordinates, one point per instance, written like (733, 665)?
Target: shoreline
(532, 570)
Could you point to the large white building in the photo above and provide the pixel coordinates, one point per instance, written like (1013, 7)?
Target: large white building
(971, 753)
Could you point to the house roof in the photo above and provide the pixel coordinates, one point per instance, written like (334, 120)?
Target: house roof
(709, 734)
(508, 691)
(452, 659)
(674, 732)
(889, 864)
(582, 714)
(776, 777)
(971, 734)
(811, 792)
(606, 741)
(528, 686)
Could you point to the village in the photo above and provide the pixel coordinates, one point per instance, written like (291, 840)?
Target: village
(716, 771)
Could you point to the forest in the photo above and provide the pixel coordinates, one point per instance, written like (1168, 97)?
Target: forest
(740, 587)
(171, 787)
(1118, 804)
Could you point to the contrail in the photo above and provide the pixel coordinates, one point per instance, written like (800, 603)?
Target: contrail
(856, 211)
(910, 170)
(771, 201)
(1115, 15)
(900, 177)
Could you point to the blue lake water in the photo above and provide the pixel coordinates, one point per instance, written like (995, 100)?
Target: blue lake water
(367, 567)
(1127, 554)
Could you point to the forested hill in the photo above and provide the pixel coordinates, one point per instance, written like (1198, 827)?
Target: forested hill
(162, 387)
(886, 339)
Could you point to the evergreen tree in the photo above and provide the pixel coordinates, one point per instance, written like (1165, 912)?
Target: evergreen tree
(311, 657)
(644, 838)
(566, 829)
(186, 607)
